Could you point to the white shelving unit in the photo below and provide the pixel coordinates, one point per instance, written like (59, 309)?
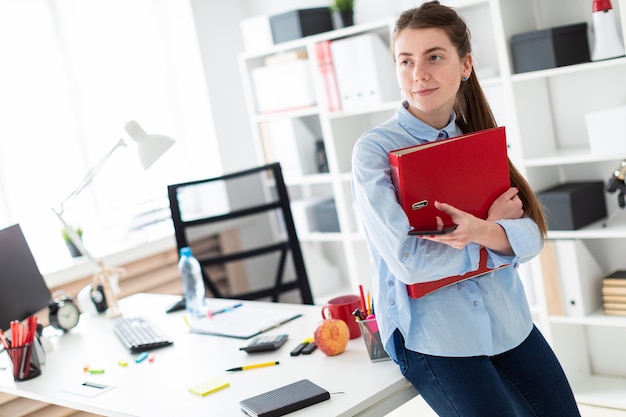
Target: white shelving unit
(336, 261)
(544, 115)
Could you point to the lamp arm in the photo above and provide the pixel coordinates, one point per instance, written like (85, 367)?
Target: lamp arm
(76, 240)
(89, 177)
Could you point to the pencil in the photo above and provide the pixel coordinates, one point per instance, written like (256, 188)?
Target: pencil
(363, 306)
(258, 365)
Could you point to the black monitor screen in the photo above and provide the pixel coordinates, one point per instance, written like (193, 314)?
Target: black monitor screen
(23, 290)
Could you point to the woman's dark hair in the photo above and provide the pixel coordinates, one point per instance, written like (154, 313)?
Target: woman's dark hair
(472, 110)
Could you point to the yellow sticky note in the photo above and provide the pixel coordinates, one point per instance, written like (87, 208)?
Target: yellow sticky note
(207, 387)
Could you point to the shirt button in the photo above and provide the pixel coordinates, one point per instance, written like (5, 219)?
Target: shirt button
(392, 302)
(475, 303)
(405, 254)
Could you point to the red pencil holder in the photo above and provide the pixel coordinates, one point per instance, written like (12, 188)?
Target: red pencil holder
(24, 362)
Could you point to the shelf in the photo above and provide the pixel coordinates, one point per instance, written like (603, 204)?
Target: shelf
(600, 391)
(364, 111)
(615, 230)
(570, 156)
(334, 34)
(598, 318)
(569, 69)
(286, 114)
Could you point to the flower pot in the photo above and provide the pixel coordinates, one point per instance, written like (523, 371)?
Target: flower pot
(73, 250)
(343, 19)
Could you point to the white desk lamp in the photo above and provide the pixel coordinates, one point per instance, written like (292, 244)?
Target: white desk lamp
(149, 149)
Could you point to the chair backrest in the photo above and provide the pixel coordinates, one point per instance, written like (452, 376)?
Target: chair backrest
(255, 203)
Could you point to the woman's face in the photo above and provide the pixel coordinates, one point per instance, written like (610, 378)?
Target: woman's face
(430, 73)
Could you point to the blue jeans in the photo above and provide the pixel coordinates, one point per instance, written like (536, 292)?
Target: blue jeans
(525, 381)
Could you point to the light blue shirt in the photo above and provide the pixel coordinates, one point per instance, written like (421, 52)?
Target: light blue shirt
(487, 315)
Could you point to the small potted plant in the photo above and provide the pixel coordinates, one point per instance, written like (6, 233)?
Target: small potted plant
(68, 242)
(343, 12)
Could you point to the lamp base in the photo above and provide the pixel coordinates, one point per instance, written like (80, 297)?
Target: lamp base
(108, 277)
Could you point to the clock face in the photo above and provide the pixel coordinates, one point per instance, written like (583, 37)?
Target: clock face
(68, 315)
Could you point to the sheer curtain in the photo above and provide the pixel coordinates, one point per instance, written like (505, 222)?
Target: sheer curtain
(73, 72)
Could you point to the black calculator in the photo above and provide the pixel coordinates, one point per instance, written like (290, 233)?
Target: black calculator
(265, 343)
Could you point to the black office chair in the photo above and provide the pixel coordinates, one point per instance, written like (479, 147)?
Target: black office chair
(251, 212)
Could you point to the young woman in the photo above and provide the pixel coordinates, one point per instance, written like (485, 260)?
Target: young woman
(470, 349)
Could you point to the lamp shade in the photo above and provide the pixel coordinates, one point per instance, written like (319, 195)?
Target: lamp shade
(150, 147)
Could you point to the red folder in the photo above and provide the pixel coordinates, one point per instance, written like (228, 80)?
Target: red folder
(327, 72)
(424, 288)
(468, 172)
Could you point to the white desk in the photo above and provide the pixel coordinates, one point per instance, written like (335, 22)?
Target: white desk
(160, 388)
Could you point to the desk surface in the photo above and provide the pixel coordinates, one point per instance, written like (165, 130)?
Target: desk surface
(357, 386)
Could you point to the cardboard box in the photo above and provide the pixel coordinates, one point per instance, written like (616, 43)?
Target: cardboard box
(606, 131)
(285, 86)
(299, 23)
(572, 205)
(550, 48)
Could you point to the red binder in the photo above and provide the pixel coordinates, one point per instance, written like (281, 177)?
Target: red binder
(424, 288)
(327, 73)
(468, 172)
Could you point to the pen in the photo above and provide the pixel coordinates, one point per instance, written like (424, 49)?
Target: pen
(224, 310)
(258, 365)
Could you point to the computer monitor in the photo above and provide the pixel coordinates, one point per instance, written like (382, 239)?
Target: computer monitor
(23, 290)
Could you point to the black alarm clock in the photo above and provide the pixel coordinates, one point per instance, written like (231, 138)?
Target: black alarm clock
(63, 312)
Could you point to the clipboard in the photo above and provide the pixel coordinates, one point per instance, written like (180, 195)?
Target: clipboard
(243, 322)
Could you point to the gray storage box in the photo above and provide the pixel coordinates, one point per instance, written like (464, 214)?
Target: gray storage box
(299, 23)
(550, 48)
(572, 205)
(325, 215)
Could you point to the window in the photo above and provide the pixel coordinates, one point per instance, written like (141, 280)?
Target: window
(73, 73)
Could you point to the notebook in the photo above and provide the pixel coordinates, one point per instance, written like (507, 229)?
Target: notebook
(243, 322)
(284, 400)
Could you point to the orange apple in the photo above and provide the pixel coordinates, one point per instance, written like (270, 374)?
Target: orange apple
(331, 336)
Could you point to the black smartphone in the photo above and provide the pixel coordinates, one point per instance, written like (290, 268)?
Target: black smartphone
(432, 232)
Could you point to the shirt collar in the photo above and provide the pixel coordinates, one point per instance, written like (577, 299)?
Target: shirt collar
(420, 130)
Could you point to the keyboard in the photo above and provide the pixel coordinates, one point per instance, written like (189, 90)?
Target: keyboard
(139, 335)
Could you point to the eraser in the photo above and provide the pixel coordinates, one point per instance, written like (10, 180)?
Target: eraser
(207, 387)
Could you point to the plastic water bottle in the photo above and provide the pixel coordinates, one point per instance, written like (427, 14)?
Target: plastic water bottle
(193, 285)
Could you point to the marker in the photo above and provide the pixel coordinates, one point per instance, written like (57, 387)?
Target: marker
(142, 357)
(298, 349)
(258, 365)
(310, 348)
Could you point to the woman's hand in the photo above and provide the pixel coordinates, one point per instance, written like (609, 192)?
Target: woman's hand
(507, 206)
(484, 232)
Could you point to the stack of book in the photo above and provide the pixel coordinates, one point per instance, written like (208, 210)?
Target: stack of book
(614, 293)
